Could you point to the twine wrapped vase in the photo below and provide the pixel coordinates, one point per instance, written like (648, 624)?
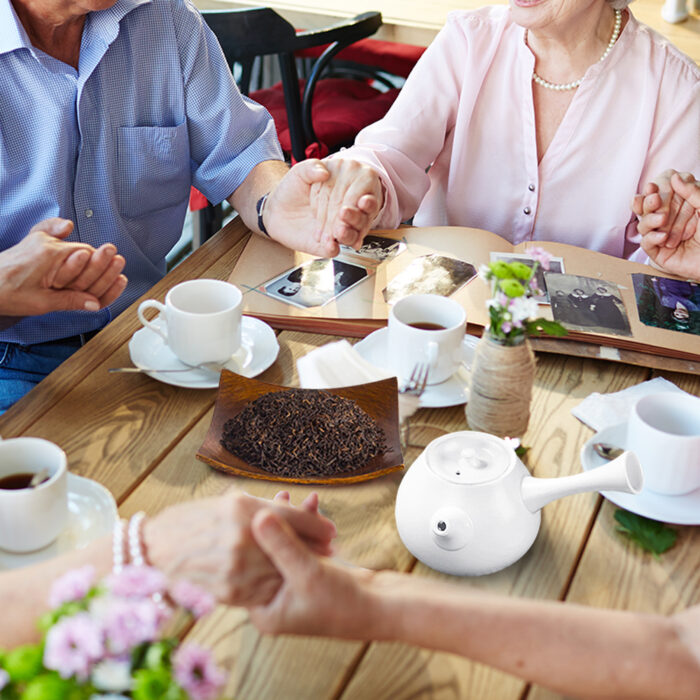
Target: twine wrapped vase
(501, 387)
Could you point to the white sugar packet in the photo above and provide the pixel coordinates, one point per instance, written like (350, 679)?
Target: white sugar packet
(599, 411)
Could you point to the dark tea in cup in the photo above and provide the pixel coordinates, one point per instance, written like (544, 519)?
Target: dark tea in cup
(16, 481)
(427, 326)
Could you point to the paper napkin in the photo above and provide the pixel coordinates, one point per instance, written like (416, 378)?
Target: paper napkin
(599, 411)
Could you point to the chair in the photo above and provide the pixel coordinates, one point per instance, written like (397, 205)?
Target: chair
(315, 115)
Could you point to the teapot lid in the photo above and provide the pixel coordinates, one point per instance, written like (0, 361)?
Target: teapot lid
(469, 457)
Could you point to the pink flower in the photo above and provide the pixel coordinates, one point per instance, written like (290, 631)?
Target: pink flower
(73, 585)
(192, 597)
(127, 622)
(506, 327)
(137, 582)
(196, 672)
(541, 255)
(72, 646)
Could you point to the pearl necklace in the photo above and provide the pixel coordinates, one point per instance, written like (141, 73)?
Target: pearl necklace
(570, 86)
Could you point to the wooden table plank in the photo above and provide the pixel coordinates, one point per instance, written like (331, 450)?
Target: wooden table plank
(555, 437)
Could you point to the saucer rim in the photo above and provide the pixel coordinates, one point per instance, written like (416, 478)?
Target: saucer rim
(251, 322)
(640, 503)
(77, 484)
(431, 389)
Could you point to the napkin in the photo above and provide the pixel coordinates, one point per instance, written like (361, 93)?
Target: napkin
(339, 364)
(599, 411)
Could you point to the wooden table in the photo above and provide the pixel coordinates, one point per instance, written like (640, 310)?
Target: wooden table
(138, 437)
(417, 22)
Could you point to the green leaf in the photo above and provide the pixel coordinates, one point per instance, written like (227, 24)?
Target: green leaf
(651, 535)
(542, 325)
(521, 450)
(48, 686)
(23, 663)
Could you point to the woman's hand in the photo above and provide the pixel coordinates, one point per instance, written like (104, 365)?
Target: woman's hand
(669, 223)
(209, 542)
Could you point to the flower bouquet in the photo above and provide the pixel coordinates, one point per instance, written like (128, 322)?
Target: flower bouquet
(504, 366)
(106, 641)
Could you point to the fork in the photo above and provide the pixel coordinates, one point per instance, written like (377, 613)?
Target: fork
(414, 387)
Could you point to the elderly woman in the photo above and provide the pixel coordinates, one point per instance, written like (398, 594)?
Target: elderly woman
(537, 121)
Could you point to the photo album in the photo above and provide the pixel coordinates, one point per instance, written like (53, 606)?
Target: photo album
(600, 299)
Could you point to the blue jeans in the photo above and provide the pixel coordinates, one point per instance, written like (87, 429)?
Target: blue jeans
(22, 367)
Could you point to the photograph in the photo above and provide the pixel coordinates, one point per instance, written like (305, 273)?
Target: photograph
(429, 274)
(315, 283)
(555, 265)
(587, 304)
(376, 248)
(667, 303)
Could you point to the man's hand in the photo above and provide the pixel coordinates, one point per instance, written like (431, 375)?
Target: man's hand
(320, 204)
(44, 273)
(669, 223)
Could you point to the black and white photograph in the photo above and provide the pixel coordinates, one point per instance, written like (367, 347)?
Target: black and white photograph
(377, 248)
(555, 265)
(667, 303)
(315, 283)
(429, 274)
(587, 304)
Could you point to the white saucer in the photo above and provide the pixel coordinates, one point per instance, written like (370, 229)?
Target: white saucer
(92, 513)
(451, 392)
(259, 348)
(678, 510)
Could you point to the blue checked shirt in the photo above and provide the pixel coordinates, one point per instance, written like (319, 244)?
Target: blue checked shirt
(115, 145)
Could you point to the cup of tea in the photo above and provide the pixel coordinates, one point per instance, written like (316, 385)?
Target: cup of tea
(664, 432)
(200, 320)
(31, 517)
(426, 328)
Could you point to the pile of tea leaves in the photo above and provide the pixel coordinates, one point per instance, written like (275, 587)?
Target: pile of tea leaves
(304, 432)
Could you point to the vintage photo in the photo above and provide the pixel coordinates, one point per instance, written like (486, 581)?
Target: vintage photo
(429, 274)
(587, 304)
(376, 248)
(315, 283)
(667, 303)
(555, 265)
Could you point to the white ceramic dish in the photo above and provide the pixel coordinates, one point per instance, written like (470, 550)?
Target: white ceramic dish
(451, 392)
(259, 348)
(678, 510)
(92, 513)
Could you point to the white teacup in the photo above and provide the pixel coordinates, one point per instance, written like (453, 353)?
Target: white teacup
(202, 320)
(664, 432)
(32, 518)
(426, 328)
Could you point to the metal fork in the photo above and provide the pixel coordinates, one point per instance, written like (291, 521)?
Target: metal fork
(414, 387)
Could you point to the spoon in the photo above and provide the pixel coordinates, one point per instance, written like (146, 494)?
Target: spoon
(209, 366)
(607, 451)
(39, 478)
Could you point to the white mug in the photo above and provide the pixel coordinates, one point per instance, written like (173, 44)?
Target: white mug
(664, 432)
(426, 328)
(202, 320)
(32, 518)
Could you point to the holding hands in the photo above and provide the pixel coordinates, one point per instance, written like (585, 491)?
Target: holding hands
(669, 223)
(44, 273)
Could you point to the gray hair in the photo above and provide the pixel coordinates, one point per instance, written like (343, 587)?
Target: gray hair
(619, 4)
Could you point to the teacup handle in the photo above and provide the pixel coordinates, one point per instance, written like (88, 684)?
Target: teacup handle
(152, 304)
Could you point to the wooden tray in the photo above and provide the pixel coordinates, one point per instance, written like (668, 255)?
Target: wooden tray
(378, 399)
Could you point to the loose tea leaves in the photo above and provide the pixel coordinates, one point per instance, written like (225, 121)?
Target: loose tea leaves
(650, 535)
(304, 432)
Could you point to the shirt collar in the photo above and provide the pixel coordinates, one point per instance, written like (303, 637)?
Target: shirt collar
(13, 35)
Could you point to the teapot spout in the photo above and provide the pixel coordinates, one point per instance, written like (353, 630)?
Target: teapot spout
(621, 474)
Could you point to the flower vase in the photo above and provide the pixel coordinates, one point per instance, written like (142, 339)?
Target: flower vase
(501, 387)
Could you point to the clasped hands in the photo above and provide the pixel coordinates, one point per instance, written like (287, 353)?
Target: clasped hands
(669, 223)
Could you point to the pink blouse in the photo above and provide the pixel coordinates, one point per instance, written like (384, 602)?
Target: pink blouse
(458, 146)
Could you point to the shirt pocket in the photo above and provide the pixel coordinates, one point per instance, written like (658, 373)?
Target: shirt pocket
(154, 168)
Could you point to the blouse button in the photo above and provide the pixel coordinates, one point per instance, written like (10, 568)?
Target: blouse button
(527, 211)
(531, 187)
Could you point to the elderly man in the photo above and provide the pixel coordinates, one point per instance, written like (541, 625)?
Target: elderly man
(110, 111)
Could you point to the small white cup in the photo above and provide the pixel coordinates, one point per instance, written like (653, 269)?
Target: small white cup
(664, 432)
(411, 342)
(32, 518)
(202, 320)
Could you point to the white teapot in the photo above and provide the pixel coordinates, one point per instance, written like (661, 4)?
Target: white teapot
(468, 506)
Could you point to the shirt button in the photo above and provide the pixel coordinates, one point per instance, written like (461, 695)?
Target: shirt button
(527, 211)
(88, 213)
(531, 187)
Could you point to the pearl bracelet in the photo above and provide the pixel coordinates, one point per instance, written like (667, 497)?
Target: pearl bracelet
(135, 541)
(118, 546)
